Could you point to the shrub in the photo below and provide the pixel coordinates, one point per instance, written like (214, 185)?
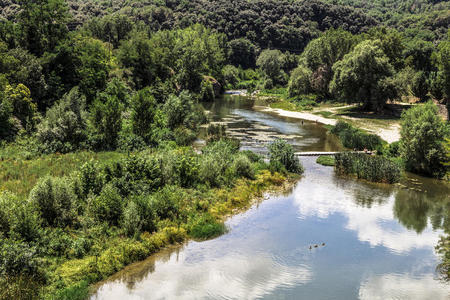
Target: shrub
(90, 179)
(17, 259)
(166, 203)
(56, 243)
(180, 166)
(394, 149)
(6, 124)
(139, 215)
(184, 136)
(230, 75)
(128, 141)
(372, 168)
(242, 166)
(206, 227)
(215, 162)
(183, 110)
(353, 138)
(422, 136)
(18, 219)
(277, 166)
(64, 127)
(55, 200)
(108, 206)
(206, 91)
(215, 133)
(106, 119)
(282, 152)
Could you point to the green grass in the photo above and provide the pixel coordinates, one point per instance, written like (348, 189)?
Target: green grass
(326, 160)
(325, 114)
(19, 175)
(285, 105)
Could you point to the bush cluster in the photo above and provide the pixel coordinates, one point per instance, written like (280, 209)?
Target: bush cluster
(70, 217)
(282, 158)
(354, 138)
(372, 168)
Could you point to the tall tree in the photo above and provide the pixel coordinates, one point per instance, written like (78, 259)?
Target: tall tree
(363, 76)
(43, 24)
(422, 137)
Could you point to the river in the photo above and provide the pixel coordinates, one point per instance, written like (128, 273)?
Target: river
(327, 237)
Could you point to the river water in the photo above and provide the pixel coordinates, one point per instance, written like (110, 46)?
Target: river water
(327, 237)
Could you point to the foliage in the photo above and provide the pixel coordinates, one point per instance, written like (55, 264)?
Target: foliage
(106, 122)
(108, 206)
(43, 24)
(207, 227)
(17, 259)
(271, 62)
(143, 106)
(363, 76)
(282, 152)
(321, 54)
(64, 127)
(356, 139)
(242, 53)
(326, 160)
(422, 136)
(55, 200)
(300, 81)
(372, 168)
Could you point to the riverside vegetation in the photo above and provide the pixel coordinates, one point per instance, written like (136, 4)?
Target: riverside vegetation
(75, 230)
(100, 102)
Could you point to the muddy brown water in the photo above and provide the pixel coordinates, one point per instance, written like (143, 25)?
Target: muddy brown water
(327, 237)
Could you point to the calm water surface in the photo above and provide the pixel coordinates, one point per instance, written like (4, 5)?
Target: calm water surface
(373, 241)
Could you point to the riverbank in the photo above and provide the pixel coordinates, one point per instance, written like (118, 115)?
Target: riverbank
(113, 210)
(387, 130)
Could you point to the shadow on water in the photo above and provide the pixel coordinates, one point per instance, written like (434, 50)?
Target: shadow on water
(374, 241)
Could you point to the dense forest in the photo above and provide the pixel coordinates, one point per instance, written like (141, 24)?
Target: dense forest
(82, 77)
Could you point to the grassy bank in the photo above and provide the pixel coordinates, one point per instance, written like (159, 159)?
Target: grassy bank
(78, 229)
(326, 160)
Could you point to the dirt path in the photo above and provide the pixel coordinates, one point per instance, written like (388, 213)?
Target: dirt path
(388, 132)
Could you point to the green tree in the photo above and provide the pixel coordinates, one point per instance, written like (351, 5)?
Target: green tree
(391, 43)
(420, 85)
(106, 118)
(79, 61)
(6, 123)
(363, 76)
(422, 136)
(23, 107)
(143, 109)
(282, 152)
(241, 52)
(19, 66)
(64, 127)
(138, 56)
(299, 83)
(270, 62)
(322, 53)
(43, 24)
(443, 61)
(55, 200)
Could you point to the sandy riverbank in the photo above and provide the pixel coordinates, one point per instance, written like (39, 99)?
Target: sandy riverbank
(390, 135)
